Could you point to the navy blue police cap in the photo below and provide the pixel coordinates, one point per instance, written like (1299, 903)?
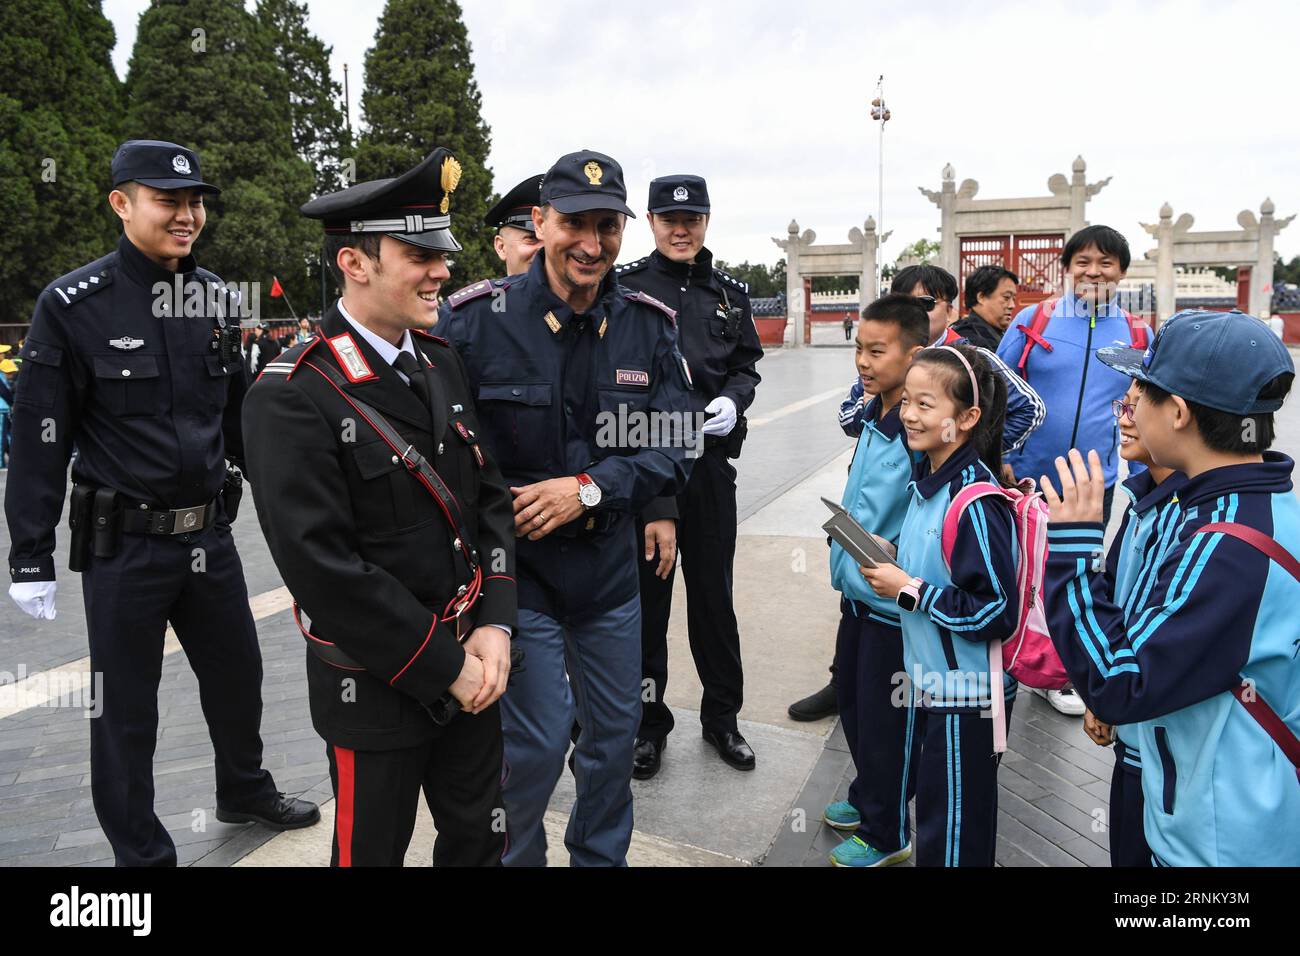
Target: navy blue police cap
(679, 193)
(414, 207)
(583, 181)
(156, 163)
(516, 207)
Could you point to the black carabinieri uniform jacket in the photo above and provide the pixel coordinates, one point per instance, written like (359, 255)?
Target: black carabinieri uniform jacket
(365, 550)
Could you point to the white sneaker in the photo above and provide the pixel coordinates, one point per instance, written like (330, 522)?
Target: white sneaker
(1065, 701)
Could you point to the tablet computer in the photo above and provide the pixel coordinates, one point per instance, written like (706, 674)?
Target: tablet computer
(855, 539)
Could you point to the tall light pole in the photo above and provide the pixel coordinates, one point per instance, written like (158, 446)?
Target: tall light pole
(880, 113)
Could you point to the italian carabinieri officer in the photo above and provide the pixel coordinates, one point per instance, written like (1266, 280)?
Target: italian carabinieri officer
(393, 530)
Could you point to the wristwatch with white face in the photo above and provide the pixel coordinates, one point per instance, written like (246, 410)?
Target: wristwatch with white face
(588, 491)
(909, 596)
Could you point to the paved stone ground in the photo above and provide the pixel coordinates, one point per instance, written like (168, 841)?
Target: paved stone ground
(696, 812)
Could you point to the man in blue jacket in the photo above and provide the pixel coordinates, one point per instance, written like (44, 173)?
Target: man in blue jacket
(1077, 389)
(1219, 783)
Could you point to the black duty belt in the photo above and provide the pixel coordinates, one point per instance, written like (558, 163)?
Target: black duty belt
(139, 518)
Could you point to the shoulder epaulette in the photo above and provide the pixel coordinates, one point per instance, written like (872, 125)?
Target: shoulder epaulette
(287, 362)
(429, 335)
(82, 283)
(646, 298)
(742, 286)
(631, 266)
(477, 290)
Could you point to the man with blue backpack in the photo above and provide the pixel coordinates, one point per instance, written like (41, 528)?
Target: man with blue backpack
(1053, 345)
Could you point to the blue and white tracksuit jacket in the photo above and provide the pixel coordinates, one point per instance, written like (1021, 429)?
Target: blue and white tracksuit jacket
(1218, 790)
(945, 640)
(1077, 388)
(1149, 527)
(876, 495)
(1025, 410)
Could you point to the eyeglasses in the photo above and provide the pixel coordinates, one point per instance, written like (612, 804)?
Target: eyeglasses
(928, 302)
(1122, 409)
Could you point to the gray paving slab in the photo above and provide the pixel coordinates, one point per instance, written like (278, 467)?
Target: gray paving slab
(697, 800)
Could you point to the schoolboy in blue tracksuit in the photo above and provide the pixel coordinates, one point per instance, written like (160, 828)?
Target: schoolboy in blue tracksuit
(1220, 617)
(952, 411)
(1148, 529)
(876, 714)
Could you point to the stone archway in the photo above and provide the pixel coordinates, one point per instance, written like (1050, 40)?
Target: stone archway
(1025, 235)
(1250, 246)
(803, 260)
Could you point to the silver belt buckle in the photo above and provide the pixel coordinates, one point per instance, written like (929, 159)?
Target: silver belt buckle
(185, 520)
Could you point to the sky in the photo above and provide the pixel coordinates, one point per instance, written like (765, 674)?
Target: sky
(1189, 103)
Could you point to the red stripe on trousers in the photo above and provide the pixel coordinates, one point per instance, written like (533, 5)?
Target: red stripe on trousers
(345, 759)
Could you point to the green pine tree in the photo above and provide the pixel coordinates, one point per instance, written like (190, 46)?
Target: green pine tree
(204, 73)
(420, 93)
(320, 133)
(60, 106)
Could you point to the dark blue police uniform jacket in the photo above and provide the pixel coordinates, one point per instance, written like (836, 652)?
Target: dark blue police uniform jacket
(131, 378)
(550, 394)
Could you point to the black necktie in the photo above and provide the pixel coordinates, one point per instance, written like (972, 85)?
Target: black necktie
(407, 364)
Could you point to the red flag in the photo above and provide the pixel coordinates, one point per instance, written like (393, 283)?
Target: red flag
(276, 291)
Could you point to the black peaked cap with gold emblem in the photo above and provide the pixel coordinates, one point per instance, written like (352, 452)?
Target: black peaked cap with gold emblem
(583, 181)
(413, 207)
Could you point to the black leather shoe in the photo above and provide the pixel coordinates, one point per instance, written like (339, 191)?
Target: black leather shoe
(815, 707)
(732, 748)
(278, 813)
(647, 756)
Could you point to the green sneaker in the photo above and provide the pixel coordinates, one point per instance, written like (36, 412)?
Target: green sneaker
(853, 852)
(841, 815)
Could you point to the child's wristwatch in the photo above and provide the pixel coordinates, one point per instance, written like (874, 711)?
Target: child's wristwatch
(910, 595)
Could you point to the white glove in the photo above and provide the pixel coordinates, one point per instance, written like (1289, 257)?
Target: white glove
(723, 421)
(34, 597)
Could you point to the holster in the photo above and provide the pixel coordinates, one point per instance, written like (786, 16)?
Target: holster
(107, 519)
(81, 525)
(231, 493)
(736, 437)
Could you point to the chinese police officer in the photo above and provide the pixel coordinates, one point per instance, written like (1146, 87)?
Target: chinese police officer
(516, 240)
(574, 376)
(719, 339)
(393, 530)
(119, 365)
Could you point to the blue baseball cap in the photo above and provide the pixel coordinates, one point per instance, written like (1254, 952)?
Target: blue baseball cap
(1218, 359)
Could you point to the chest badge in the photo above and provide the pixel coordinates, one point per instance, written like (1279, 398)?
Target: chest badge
(624, 376)
(126, 343)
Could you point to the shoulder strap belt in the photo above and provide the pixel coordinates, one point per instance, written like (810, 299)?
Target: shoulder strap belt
(1255, 705)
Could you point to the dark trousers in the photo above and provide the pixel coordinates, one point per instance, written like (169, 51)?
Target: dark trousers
(1128, 841)
(882, 727)
(706, 539)
(957, 790)
(196, 582)
(376, 794)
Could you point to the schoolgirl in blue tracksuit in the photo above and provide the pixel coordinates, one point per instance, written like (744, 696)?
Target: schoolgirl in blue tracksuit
(1146, 532)
(952, 412)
